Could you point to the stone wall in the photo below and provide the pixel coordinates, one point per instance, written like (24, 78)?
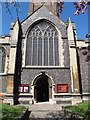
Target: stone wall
(66, 53)
(84, 69)
(3, 84)
(59, 76)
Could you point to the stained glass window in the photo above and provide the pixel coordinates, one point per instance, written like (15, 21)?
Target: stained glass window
(2, 59)
(42, 46)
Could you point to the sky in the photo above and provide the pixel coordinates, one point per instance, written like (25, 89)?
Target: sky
(81, 21)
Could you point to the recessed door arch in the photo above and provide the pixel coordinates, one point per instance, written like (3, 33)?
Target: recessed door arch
(41, 89)
(40, 80)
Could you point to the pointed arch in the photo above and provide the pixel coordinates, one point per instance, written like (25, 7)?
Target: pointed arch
(44, 81)
(2, 59)
(50, 79)
(43, 45)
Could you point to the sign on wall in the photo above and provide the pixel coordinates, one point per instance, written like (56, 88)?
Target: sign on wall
(24, 88)
(62, 88)
(2, 96)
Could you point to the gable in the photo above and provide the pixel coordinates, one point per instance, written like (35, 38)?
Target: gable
(43, 13)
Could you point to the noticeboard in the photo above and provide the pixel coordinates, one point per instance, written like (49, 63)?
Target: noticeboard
(24, 88)
(62, 88)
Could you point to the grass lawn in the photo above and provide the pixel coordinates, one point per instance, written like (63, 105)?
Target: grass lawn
(11, 112)
(83, 109)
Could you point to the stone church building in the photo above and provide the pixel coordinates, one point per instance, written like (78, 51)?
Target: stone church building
(40, 60)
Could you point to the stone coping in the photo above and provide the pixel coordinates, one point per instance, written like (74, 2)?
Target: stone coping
(3, 74)
(25, 94)
(57, 94)
(62, 99)
(8, 94)
(71, 94)
(25, 114)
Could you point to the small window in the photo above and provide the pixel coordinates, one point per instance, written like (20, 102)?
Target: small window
(2, 59)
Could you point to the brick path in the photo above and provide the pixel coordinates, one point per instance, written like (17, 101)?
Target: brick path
(46, 110)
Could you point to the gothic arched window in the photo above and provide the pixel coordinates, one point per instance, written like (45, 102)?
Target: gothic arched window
(2, 59)
(42, 46)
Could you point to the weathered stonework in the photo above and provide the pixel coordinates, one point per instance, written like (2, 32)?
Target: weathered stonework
(59, 76)
(3, 83)
(84, 69)
(17, 73)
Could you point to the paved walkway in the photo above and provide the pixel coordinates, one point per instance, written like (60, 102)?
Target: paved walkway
(46, 110)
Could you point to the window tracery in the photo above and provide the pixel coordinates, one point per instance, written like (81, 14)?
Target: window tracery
(42, 46)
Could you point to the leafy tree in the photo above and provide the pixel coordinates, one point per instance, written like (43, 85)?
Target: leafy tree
(80, 6)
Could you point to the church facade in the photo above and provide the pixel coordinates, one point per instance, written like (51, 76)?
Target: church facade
(40, 61)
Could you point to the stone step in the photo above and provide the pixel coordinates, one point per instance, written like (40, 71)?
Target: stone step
(49, 119)
(46, 111)
(47, 114)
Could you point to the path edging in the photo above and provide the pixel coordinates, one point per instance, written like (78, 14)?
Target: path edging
(70, 114)
(24, 114)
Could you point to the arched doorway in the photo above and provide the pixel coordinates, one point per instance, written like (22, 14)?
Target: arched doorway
(41, 89)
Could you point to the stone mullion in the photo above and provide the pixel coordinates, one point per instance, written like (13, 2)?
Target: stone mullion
(5, 65)
(53, 53)
(32, 52)
(37, 51)
(59, 48)
(48, 51)
(42, 49)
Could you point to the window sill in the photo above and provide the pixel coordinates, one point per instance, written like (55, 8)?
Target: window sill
(1, 74)
(47, 67)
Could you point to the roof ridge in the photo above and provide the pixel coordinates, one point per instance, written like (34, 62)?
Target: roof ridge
(31, 14)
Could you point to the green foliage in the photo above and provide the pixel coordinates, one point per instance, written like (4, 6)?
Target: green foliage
(83, 109)
(11, 112)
